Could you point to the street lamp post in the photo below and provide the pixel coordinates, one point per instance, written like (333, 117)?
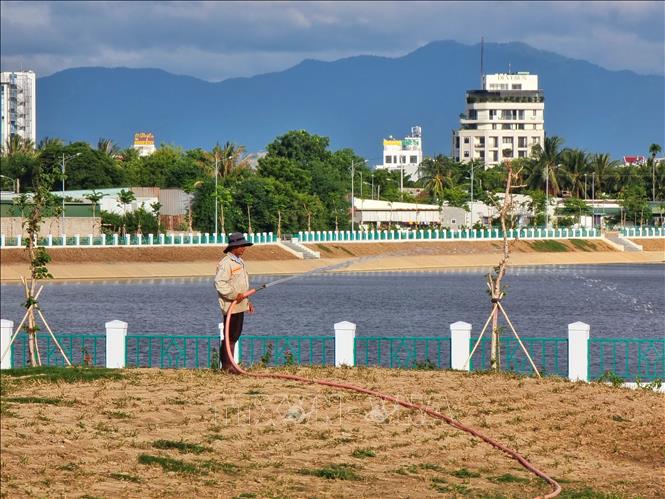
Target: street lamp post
(593, 199)
(547, 196)
(353, 173)
(62, 228)
(15, 181)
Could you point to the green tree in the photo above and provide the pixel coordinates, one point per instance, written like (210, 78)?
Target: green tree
(125, 198)
(574, 208)
(94, 197)
(545, 163)
(635, 204)
(574, 164)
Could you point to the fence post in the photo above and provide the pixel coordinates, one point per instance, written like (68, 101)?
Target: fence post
(578, 351)
(236, 351)
(77, 239)
(460, 339)
(116, 336)
(6, 329)
(151, 240)
(345, 336)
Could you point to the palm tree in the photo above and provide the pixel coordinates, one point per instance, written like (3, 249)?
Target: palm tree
(436, 174)
(603, 170)
(108, 147)
(546, 160)
(94, 197)
(575, 163)
(654, 149)
(124, 199)
(232, 157)
(49, 142)
(18, 145)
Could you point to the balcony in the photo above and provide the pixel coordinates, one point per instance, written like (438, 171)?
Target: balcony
(477, 96)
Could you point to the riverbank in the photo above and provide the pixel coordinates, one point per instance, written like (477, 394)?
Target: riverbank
(184, 433)
(131, 263)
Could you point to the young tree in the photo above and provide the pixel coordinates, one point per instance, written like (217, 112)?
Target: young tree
(156, 206)
(125, 198)
(94, 197)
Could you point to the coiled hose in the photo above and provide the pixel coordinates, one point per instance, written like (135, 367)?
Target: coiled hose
(556, 488)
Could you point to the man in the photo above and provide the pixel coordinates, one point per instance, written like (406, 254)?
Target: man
(231, 281)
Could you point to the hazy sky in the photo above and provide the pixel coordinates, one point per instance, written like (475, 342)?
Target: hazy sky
(219, 40)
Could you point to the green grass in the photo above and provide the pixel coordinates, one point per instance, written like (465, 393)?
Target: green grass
(39, 400)
(63, 374)
(118, 415)
(325, 248)
(586, 493)
(549, 246)
(362, 453)
(333, 472)
(183, 447)
(583, 244)
(125, 477)
(508, 478)
(430, 466)
(169, 464)
(345, 250)
(464, 473)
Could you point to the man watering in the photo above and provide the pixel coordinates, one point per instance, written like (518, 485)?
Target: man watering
(231, 281)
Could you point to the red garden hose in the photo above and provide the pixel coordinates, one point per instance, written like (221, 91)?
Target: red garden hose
(556, 488)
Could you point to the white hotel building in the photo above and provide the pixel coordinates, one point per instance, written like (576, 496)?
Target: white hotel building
(404, 155)
(18, 106)
(502, 121)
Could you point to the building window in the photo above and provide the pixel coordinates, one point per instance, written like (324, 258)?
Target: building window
(466, 154)
(389, 159)
(495, 141)
(521, 154)
(534, 113)
(413, 159)
(466, 140)
(506, 126)
(457, 142)
(520, 114)
(517, 86)
(495, 155)
(453, 220)
(520, 126)
(535, 140)
(493, 126)
(492, 114)
(507, 140)
(482, 154)
(521, 142)
(402, 159)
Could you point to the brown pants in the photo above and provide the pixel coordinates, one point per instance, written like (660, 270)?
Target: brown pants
(233, 335)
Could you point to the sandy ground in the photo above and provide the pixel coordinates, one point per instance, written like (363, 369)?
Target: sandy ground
(654, 244)
(118, 263)
(253, 437)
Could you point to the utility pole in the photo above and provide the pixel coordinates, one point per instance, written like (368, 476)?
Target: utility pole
(547, 196)
(472, 190)
(353, 171)
(372, 185)
(593, 199)
(62, 224)
(215, 196)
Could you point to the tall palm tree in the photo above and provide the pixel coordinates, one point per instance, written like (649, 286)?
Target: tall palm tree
(437, 174)
(546, 159)
(603, 171)
(49, 142)
(654, 149)
(575, 164)
(232, 157)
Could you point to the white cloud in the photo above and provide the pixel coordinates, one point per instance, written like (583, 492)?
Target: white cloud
(218, 40)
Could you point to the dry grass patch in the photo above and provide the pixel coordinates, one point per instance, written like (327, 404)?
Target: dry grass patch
(237, 436)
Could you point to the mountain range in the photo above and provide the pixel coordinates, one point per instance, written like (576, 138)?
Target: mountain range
(356, 101)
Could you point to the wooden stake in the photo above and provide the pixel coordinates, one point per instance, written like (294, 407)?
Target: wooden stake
(18, 329)
(54, 339)
(480, 337)
(518, 339)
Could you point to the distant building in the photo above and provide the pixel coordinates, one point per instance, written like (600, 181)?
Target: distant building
(634, 160)
(18, 105)
(404, 155)
(502, 121)
(144, 143)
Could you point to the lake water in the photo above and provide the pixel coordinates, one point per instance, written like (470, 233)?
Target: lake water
(618, 301)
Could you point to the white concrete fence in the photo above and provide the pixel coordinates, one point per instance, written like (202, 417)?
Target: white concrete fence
(345, 334)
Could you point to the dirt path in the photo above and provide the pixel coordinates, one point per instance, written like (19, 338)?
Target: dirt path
(202, 434)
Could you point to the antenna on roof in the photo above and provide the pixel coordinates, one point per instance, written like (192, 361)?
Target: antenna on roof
(482, 51)
(508, 68)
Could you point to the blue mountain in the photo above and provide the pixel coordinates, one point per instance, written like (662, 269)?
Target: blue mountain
(355, 101)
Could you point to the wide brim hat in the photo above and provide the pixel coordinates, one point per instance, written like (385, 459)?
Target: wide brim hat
(237, 240)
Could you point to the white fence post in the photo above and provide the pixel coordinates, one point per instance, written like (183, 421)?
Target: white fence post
(116, 335)
(460, 339)
(236, 351)
(578, 351)
(345, 336)
(6, 329)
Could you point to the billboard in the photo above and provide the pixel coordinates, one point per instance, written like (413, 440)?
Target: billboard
(144, 139)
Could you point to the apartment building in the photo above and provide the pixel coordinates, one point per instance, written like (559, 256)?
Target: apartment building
(502, 121)
(18, 105)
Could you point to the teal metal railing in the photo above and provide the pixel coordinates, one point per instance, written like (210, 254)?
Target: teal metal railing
(550, 355)
(195, 239)
(630, 359)
(180, 351)
(643, 232)
(281, 350)
(81, 350)
(408, 352)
